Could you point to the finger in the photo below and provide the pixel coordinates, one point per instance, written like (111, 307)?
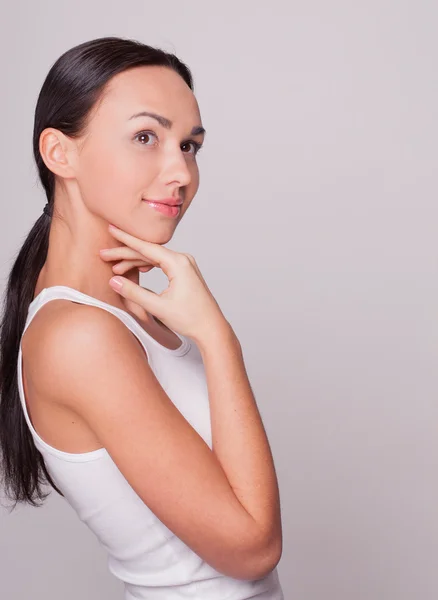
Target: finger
(120, 252)
(146, 298)
(155, 253)
(126, 265)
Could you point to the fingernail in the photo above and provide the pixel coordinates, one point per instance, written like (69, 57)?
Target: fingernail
(116, 283)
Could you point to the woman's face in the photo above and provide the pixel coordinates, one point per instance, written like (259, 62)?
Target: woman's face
(123, 159)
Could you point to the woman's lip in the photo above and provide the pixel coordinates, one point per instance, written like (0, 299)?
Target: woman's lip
(165, 209)
(168, 201)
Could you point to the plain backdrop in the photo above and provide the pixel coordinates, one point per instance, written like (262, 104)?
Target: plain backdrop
(315, 226)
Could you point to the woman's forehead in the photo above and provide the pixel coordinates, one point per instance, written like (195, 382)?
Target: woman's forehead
(158, 90)
(148, 85)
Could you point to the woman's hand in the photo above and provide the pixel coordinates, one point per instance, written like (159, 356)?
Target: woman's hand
(186, 305)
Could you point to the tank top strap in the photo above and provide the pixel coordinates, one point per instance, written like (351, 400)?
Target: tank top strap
(66, 293)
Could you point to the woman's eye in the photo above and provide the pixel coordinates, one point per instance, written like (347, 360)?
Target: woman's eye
(144, 134)
(196, 147)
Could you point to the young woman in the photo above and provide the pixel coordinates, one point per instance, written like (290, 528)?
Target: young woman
(134, 406)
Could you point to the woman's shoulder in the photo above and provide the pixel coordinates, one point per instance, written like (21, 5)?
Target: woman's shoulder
(63, 332)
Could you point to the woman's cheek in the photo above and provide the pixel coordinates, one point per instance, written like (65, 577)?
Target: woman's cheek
(106, 181)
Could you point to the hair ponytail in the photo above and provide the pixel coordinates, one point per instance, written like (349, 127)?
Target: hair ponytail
(21, 461)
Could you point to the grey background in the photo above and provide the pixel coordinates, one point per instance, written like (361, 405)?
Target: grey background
(315, 228)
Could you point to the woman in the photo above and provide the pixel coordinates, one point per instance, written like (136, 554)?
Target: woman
(134, 406)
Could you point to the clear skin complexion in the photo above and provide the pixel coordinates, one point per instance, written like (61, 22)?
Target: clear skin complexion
(102, 177)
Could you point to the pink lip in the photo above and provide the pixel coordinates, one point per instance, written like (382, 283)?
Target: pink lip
(165, 209)
(168, 201)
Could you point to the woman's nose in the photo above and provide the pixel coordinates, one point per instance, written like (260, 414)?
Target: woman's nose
(177, 169)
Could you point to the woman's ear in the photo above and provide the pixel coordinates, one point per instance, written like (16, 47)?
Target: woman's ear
(58, 152)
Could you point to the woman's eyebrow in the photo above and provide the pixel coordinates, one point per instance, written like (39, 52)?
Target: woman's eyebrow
(167, 123)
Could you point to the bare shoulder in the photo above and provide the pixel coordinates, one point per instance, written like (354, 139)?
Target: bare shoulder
(60, 328)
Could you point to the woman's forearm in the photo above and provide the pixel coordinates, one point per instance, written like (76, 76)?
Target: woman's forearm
(239, 440)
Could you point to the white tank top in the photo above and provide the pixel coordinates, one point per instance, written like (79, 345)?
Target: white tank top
(151, 561)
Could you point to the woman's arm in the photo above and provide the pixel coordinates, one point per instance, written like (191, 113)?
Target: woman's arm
(103, 375)
(239, 438)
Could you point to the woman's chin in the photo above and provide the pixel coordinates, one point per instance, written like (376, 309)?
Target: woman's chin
(160, 235)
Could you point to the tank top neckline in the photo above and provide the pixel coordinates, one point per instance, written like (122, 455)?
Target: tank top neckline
(182, 349)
